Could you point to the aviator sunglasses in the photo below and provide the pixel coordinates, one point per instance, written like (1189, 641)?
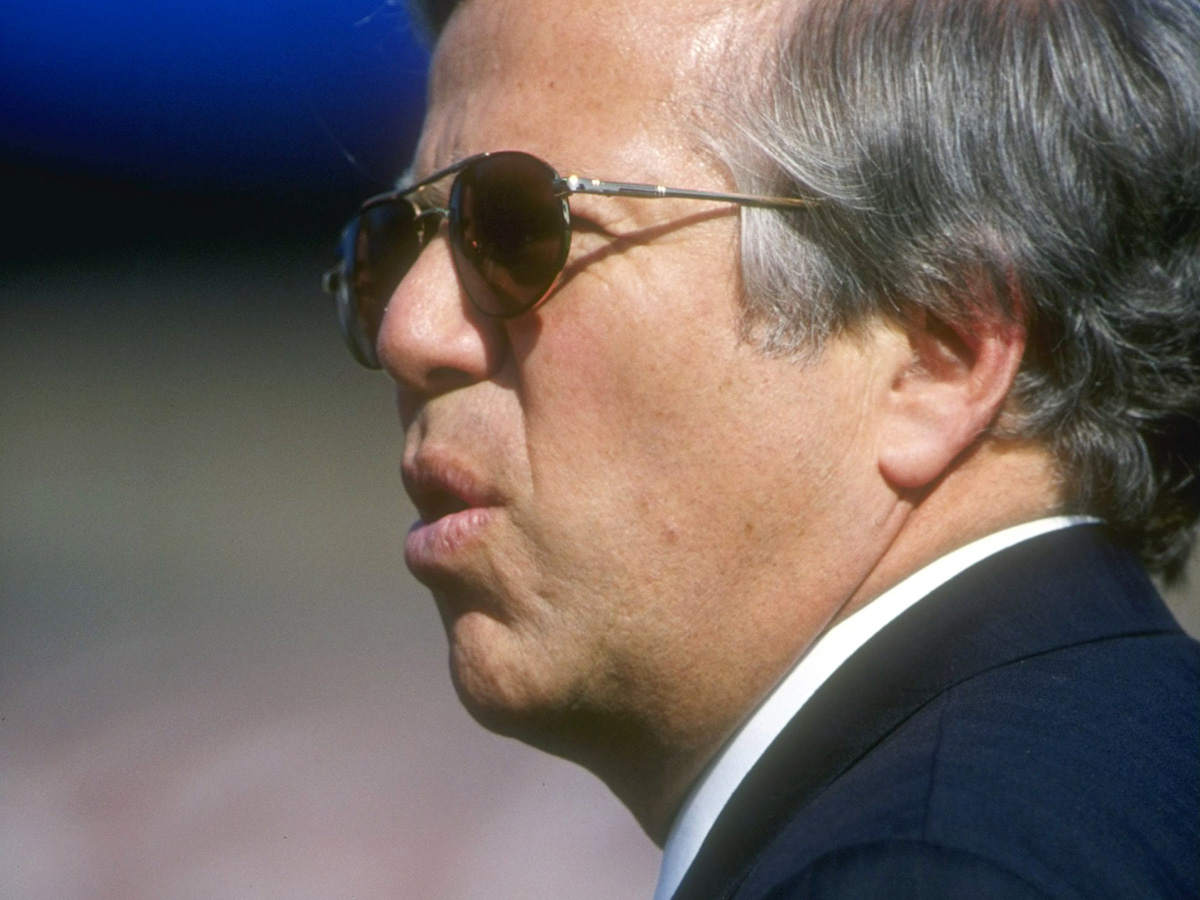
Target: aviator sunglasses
(509, 230)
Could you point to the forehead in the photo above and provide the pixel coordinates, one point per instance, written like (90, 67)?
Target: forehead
(573, 82)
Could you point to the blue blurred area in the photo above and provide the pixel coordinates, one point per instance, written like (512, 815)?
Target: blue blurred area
(263, 96)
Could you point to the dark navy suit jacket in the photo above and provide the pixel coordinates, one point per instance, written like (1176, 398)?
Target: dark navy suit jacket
(1030, 729)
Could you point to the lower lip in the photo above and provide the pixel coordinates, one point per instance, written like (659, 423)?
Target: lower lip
(433, 545)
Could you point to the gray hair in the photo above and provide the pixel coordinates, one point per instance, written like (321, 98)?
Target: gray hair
(1033, 159)
(1037, 160)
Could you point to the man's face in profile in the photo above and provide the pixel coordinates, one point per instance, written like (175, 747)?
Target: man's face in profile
(601, 479)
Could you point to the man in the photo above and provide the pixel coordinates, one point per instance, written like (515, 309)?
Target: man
(802, 504)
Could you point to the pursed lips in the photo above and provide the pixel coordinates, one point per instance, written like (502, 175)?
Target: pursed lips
(453, 504)
(439, 487)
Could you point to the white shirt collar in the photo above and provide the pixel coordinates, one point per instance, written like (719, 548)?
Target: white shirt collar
(711, 792)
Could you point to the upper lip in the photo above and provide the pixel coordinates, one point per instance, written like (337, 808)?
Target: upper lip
(439, 486)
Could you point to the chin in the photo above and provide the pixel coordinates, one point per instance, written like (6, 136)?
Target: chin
(522, 722)
(528, 699)
(555, 728)
(588, 737)
(502, 685)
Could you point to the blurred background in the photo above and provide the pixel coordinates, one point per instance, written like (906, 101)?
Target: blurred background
(217, 680)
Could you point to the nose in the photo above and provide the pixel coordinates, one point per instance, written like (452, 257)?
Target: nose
(432, 340)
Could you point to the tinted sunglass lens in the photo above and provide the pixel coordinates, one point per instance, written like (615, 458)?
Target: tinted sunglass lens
(378, 249)
(511, 232)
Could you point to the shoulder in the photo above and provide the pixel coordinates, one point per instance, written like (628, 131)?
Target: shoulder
(904, 870)
(1035, 721)
(1071, 773)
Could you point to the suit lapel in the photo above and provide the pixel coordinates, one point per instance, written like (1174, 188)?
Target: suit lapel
(1050, 592)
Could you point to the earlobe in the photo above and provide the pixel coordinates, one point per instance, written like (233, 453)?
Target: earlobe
(945, 395)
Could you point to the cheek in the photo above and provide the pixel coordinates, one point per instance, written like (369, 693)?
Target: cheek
(609, 414)
(628, 364)
(624, 509)
(642, 418)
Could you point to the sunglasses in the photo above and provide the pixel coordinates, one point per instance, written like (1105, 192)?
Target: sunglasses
(509, 230)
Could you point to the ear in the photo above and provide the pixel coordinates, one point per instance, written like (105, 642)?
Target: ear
(945, 395)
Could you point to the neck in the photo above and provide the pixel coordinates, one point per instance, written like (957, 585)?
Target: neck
(992, 488)
(995, 487)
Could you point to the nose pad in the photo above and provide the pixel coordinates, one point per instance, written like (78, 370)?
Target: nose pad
(431, 338)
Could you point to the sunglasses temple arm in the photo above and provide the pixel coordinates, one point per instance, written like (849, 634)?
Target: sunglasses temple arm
(573, 184)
